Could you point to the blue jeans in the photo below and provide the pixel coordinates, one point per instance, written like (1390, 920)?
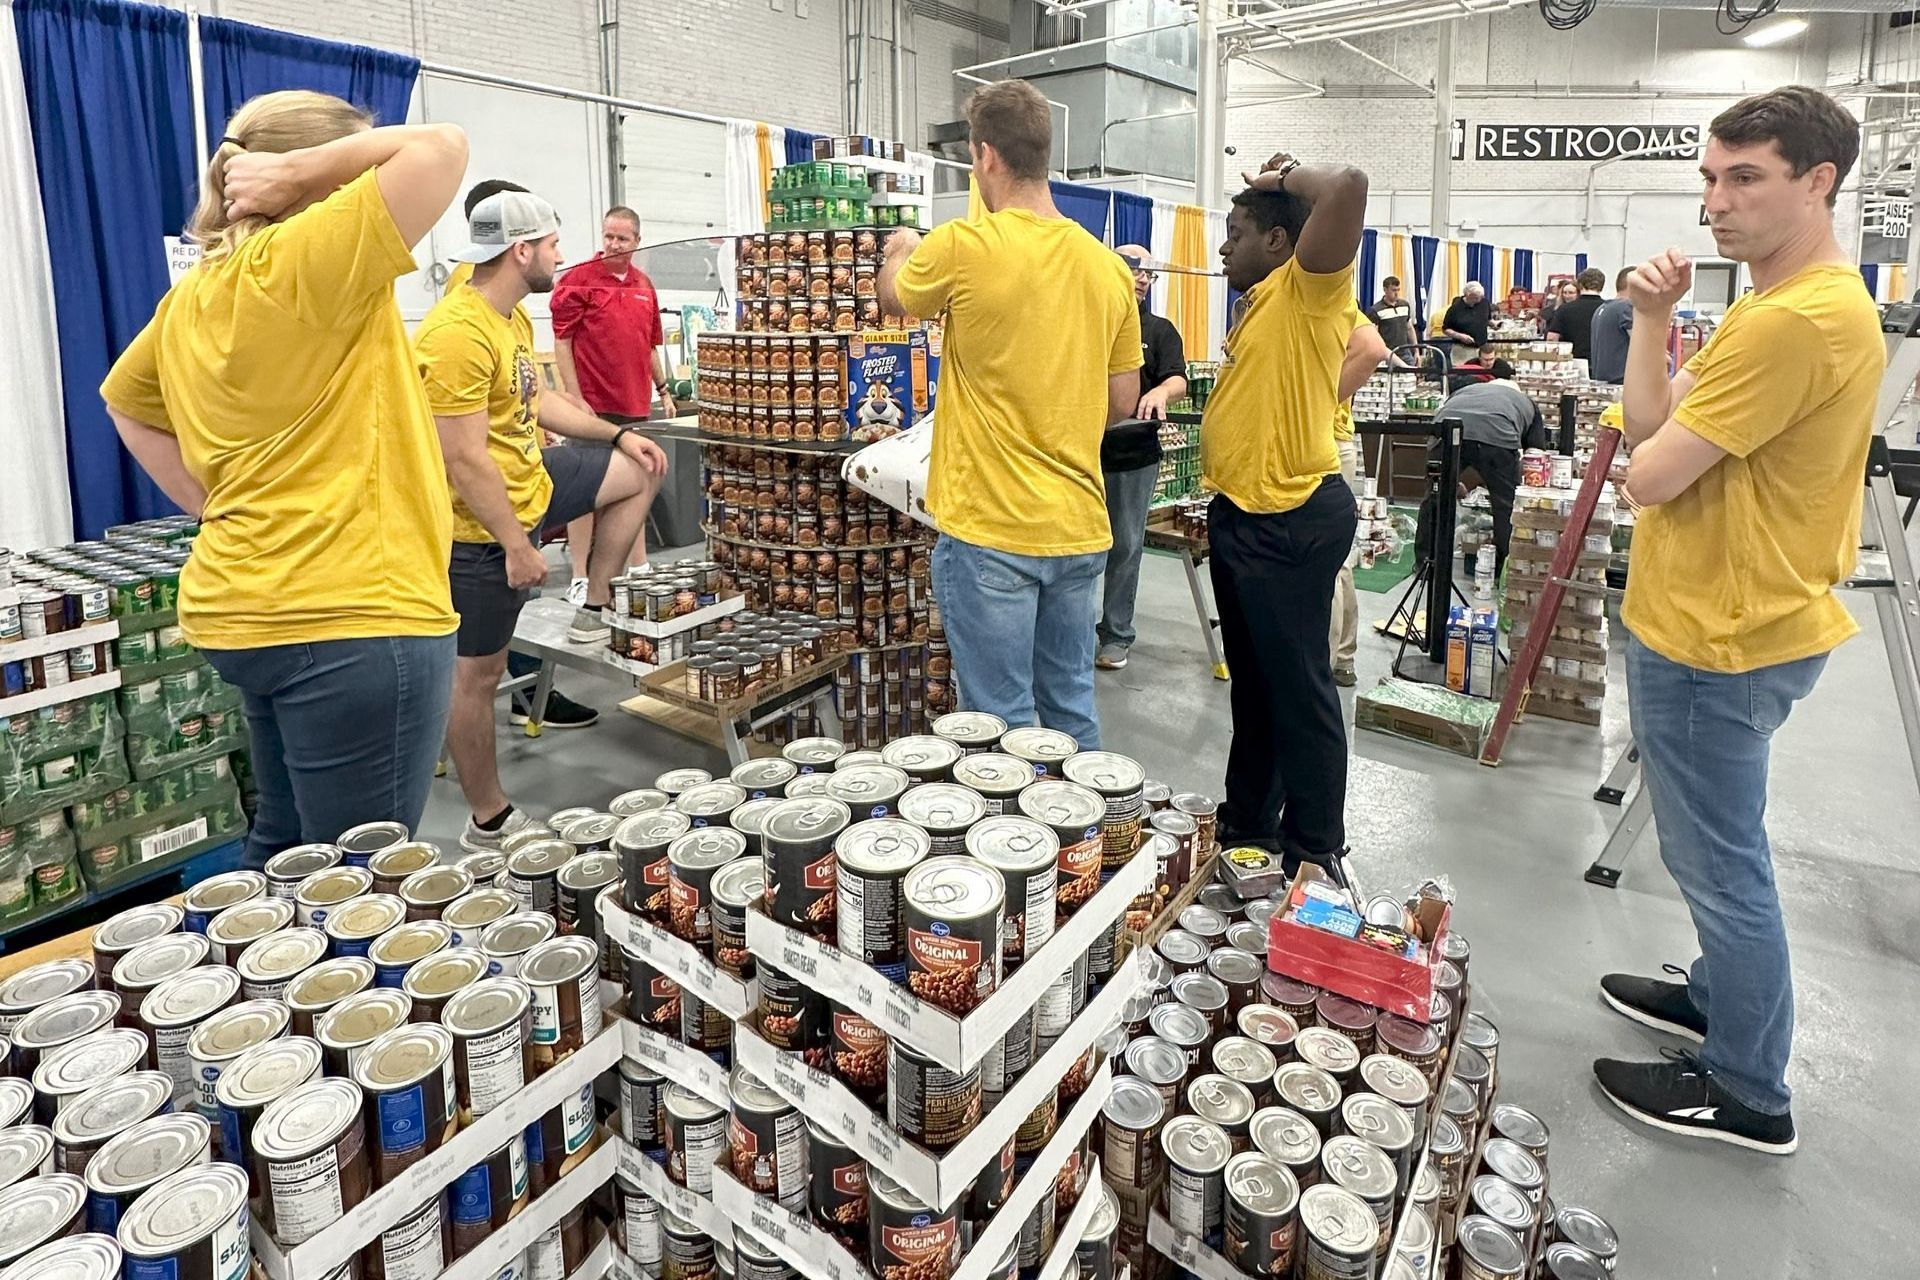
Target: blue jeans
(1704, 738)
(1021, 630)
(1129, 495)
(344, 732)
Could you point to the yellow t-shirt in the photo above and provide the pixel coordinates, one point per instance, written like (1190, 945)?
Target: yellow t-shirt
(1040, 314)
(461, 273)
(284, 372)
(472, 358)
(1343, 412)
(1267, 436)
(1737, 572)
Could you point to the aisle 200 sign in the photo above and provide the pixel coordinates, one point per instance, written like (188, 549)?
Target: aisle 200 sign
(1577, 142)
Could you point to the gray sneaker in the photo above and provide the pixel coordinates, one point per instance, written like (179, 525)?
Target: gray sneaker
(589, 626)
(1344, 677)
(1112, 657)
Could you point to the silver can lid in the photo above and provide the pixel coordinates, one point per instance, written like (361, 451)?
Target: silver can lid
(954, 888)
(1227, 1103)
(921, 753)
(539, 858)
(410, 942)
(444, 974)
(710, 799)
(1182, 1024)
(1230, 964)
(1359, 1166)
(268, 1070)
(652, 829)
(481, 907)
(674, 781)
(137, 925)
(75, 1067)
(684, 1104)
(279, 954)
(335, 884)
(943, 806)
(301, 861)
(1243, 1059)
(234, 1030)
(1263, 1184)
(1395, 1080)
(811, 820)
(148, 963)
(1513, 1162)
(486, 1006)
(311, 1117)
(403, 1056)
(589, 829)
(1155, 1060)
(436, 886)
(1520, 1125)
(741, 882)
(1062, 805)
(106, 1109)
(1385, 1124)
(993, 773)
(590, 871)
(856, 760)
(750, 817)
(1285, 1135)
(89, 1256)
(1107, 772)
(807, 784)
(1035, 745)
(362, 1018)
(767, 774)
(1582, 1226)
(404, 859)
(1133, 1104)
(49, 980)
(640, 800)
(813, 751)
(893, 1194)
(25, 1149)
(16, 1099)
(866, 787)
(1011, 842)
(1489, 1247)
(970, 728)
(188, 997)
(329, 982)
(1506, 1204)
(750, 1093)
(1326, 1049)
(148, 1152)
(371, 837)
(1196, 1144)
(67, 1018)
(882, 847)
(216, 893)
(250, 920)
(184, 1208)
(1201, 990)
(1203, 921)
(706, 847)
(1267, 1025)
(559, 960)
(40, 1209)
(1306, 1087)
(1339, 1219)
(517, 933)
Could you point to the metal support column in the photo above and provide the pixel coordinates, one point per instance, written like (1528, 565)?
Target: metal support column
(1440, 213)
(1210, 114)
(610, 85)
(898, 78)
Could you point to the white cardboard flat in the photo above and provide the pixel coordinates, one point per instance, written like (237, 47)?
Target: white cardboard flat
(1068, 1233)
(953, 1042)
(678, 1063)
(937, 1179)
(1188, 1253)
(818, 1256)
(486, 1260)
(677, 958)
(318, 1257)
(651, 1177)
(599, 1262)
(59, 641)
(685, 622)
(72, 691)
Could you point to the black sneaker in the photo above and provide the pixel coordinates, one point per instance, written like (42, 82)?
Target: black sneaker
(562, 712)
(1664, 1006)
(1681, 1096)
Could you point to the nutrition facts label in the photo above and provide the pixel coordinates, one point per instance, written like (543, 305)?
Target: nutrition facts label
(869, 912)
(495, 1068)
(411, 1248)
(306, 1195)
(170, 1055)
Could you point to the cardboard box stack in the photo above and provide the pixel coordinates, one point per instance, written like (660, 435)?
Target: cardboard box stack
(1572, 681)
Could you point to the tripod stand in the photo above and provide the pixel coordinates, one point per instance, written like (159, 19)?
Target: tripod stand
(1890, 475)
(1421, 614)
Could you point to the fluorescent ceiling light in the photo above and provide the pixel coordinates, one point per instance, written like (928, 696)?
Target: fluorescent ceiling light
(1777, 31)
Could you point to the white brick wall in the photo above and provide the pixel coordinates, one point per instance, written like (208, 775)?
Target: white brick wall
(752, 58)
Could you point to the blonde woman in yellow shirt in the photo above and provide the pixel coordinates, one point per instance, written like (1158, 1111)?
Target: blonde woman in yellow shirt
(273, 396)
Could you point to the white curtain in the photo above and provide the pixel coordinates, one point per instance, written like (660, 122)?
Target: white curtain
(34, 507)
(1162, 250)
(1217, 317)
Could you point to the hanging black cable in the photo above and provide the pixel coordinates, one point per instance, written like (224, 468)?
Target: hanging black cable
(1732, 16)
(1565, 15)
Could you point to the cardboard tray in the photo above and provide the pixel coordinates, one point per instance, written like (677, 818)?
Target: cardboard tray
(818, 1256)
(651, 1177)
(955, 1042)
(669, 685)
(685, 622)
(677, 958)
(321, 1255)
(937, 1178)
(1132, 940)
(59, 641)
(676, 1062)
(1353, 969)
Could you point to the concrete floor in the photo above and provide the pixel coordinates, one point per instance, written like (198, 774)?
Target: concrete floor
(1514, 841)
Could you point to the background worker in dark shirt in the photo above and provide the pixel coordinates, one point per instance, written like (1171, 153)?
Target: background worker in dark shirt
(1497, 420)
(1393, 315)
(1130, 459)
(1573, 323)
(1612, 328)
(1468, 316)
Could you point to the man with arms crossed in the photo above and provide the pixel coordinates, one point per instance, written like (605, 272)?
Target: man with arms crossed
(610, 350)
(1283, 520)
(1029, 381)
(1748, 467)
(475, 351)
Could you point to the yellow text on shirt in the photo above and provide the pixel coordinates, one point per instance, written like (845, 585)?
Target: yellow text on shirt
(1040, 313)
(1266, 438)
(472, 358)
(284, 372)
(1737, 572)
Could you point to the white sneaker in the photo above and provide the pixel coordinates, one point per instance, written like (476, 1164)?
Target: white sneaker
(577, 592)
(590, 626)
(476, 840)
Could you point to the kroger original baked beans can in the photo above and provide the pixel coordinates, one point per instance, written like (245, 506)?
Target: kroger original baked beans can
(974, 732)
(873, 860)
(797, 848)
(997, 778)
(191, 1226)
(910, 1240)
(1118, 781)
(691, 861)
(945, 811)
(953, 907)
(1075, 815)
(923, 757)
(928, 1103)
(766, 1142)
(869, 790)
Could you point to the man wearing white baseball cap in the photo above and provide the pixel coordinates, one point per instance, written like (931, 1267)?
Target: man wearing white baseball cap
(475, 352)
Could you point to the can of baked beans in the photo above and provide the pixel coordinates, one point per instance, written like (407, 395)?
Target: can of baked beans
(1196, 1153)
(391, 866)
(533, 875)
(637, 1224)
(1185, 1028)
(1074, 814)
(653, 999)
(764, 777)
(1289, 1139)
(1130, 1122)
(1266, 1025)
(974, 732)
(1386, 1127)
(873, 859)
(928, 1103)
(868, 790)
(357, 845)
(643, 1114)
(1184, 832)
(1238, 972)
(1117, 780)
(837, 1187)
(953, 907)
(696, 1139)
(1026, 854)
(711, 804)
(1204, 811)
(1044, 751)
(641, 843)
(797, 848)
(1368, 1172)
(1292, 997)
(692, 860)
(945, 811)
(1402, 1084)
(922, 757)
(910, 1240)
(750, 817)
(1310, 1091)
(996, 778)
(639, 800)
(857, 1052)
(589, 832)
(1245, 935)
(734, 889)
(1349, 1017)
(794, 1015)
(1262, 1215)
(688, 1251)
(766, 1142)
(1226, 1103)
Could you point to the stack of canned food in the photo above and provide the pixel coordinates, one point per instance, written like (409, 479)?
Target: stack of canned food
(314, 1030)
(811, 280)
(645, 597)
(1290, 1127)
(942, 861)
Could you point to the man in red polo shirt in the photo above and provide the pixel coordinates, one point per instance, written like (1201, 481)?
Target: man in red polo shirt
(608, 343)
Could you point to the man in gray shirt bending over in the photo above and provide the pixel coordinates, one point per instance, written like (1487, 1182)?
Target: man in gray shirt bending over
(1497, 420)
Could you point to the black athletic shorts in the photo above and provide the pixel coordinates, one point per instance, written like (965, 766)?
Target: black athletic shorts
(487, 606)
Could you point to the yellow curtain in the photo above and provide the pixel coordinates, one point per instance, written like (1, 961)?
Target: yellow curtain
(1187, 305)
(1506, 274)
(1400, 264)
(1897, 282)
(766, 170)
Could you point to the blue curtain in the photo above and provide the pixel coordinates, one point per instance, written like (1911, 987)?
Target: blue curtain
(1132, 219)
(1365, 272)
(1085, 205)
(800, 145)
(240, 61)
(1579, 263)
(107, 93)
(1425, 250)
(1480, 265)
(1870, 275)
(1523, 269)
